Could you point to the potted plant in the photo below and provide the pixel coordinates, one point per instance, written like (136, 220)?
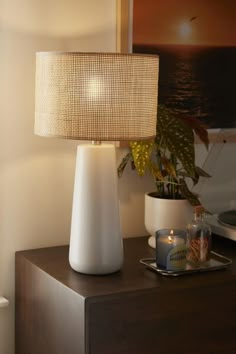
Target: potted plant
(170, 159)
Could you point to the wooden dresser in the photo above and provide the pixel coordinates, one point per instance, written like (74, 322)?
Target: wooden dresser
(134, 311)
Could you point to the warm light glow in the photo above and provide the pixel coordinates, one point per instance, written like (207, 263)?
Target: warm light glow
(185, 30)
(169, 237)
(95, 88)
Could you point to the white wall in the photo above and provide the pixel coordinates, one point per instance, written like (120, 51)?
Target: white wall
(36, 174)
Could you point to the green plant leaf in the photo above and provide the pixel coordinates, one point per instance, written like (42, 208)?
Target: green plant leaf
(156, 172)
(128, 158)
(177, 137)
(169, 167)
(187, 194)
(199, 128)
(201, 172)
(141, 151)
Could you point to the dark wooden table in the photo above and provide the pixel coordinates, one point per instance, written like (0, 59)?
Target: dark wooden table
(134, 311)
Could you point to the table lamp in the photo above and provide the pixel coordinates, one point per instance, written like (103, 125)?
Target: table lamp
(97, 97)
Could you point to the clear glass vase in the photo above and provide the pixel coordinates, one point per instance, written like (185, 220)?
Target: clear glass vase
(198, 240)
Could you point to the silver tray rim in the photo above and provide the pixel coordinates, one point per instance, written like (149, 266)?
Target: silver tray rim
(225, 262)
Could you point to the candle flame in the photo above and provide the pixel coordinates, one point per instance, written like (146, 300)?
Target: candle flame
(170, 239)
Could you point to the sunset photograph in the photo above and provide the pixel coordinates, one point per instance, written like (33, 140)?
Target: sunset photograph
(196, 43)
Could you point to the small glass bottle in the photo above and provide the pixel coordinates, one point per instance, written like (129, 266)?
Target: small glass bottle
(198, 239)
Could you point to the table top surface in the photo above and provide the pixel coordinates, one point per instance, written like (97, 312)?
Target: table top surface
(134, 276)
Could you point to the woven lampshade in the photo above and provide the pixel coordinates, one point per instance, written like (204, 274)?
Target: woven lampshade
(96, 96)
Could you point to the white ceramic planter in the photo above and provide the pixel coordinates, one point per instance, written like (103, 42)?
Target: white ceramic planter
(165, 214)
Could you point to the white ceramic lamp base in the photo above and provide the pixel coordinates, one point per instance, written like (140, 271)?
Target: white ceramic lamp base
(96, 245)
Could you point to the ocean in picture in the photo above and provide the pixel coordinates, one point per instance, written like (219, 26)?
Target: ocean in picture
(197, 81)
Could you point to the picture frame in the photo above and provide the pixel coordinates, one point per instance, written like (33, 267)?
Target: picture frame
(125, 43)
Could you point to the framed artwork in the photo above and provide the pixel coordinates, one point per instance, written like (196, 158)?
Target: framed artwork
(196, 43)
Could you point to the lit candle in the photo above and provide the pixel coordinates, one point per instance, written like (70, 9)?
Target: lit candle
(171, 251)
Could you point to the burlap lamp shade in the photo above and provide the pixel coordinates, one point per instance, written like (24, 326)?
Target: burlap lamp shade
(96, 96)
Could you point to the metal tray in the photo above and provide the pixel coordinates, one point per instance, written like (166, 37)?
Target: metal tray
(217, 261)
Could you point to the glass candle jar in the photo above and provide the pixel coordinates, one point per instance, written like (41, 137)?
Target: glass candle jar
(171, 249)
